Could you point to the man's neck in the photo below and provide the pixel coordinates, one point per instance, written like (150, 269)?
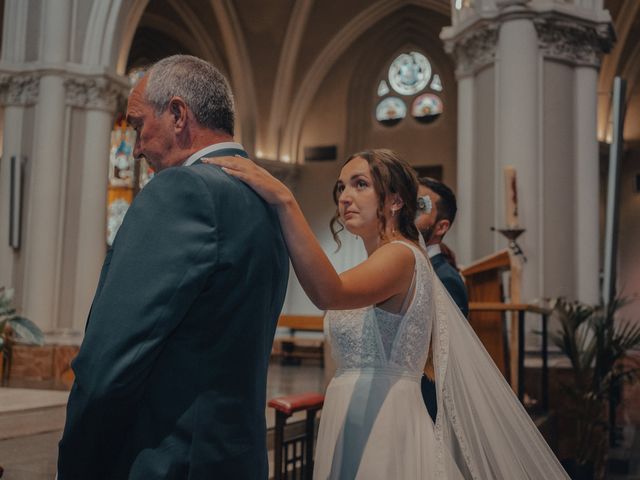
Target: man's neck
(205, 138)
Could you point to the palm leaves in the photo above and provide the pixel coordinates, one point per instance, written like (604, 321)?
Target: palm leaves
(23, 330)
(597, 343)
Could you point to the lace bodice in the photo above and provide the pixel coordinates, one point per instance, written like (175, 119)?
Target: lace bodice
(372, 337)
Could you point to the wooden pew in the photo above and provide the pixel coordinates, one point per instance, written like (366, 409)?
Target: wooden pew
(294, 349)
(484, 280)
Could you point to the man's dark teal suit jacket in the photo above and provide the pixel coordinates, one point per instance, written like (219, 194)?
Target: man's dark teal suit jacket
(454, 284)
(171, 375)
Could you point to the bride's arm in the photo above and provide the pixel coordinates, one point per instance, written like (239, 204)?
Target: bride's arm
(386, 273)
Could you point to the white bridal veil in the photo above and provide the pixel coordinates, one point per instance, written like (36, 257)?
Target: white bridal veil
(481, 427)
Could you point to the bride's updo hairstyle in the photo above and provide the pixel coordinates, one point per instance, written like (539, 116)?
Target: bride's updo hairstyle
(390, 174)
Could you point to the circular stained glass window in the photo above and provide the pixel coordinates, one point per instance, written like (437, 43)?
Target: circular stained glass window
(390, 111)
(409, 73)
(426, 108)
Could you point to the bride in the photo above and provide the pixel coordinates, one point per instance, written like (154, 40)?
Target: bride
(383, 316)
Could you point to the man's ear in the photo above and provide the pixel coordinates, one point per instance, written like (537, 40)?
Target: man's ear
(442, 227)
(179, 112)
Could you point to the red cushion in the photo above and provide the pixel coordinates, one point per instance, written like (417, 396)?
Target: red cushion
(295, 403)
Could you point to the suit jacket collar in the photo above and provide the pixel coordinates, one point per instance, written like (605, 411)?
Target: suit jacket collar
(437, 260)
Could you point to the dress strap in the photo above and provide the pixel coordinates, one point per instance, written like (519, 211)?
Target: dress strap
(411, 291)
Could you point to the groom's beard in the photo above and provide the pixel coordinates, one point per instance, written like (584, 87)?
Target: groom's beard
(427, 233)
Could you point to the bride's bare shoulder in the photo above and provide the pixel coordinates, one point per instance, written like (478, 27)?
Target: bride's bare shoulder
(399, 252)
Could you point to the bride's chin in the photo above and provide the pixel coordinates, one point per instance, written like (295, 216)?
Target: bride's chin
(353, 230)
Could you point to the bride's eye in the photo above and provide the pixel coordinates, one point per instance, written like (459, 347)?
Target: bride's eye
(361, 184)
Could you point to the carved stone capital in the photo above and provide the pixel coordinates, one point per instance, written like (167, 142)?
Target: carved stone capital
(19, 88)
(572, 42)
(100, 93)
(474, 49)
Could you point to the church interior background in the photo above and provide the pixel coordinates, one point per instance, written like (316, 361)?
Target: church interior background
(464, 90)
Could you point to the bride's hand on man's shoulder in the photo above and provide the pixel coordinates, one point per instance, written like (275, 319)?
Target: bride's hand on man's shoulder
(258, 178)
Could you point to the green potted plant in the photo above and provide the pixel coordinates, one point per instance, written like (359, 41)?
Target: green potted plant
(14, 328)
(597, 343)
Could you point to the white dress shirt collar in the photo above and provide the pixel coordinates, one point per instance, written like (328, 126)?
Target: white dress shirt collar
(433, 250)
(211, 148)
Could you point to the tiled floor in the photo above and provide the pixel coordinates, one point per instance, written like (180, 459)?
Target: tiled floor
(33, 457)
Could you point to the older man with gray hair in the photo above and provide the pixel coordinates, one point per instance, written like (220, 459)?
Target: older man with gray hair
(171, 375)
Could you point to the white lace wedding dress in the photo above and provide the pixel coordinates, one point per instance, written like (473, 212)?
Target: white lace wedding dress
(374, 424)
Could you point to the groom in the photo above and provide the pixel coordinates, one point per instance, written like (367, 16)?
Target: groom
(434, 221)
(171, 375)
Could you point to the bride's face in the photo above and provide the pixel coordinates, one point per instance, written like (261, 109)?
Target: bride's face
(357, 198)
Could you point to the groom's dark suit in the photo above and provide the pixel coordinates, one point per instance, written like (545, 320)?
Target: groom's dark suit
(454, 284)
(171, 375)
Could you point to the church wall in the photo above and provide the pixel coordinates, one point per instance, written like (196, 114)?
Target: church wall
(325, 124)
(557, 196)
(484, 202)
(632, 117)
(313, 192)
(629, 225)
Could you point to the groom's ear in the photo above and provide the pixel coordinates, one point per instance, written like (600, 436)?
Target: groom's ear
(179, 112)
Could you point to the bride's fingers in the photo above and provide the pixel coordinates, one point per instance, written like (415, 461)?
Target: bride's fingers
(235, 163)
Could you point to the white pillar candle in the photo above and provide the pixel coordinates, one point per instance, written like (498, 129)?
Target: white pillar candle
(511, 196)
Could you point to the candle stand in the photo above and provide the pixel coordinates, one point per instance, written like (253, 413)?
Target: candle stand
(512, 234)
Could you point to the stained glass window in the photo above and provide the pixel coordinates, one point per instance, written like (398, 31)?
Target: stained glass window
(436, 83)
(121, 162)
(426, 108)
(412, 80)
(383, 88)
(127, 175)
(390, 111)
(409, 73)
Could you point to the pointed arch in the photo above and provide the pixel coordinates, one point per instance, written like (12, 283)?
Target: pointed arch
(241, 71)
(332, 52)
(112, 25)
(284, 75)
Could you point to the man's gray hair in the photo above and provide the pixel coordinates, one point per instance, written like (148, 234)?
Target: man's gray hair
(203, 88)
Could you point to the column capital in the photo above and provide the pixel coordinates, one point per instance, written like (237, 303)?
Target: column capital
(572, 41)
(97, 92)
(474, 48)
(20, 89)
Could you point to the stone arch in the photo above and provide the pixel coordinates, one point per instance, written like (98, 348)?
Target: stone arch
(332, 52)
(112, 25)
(413, 35)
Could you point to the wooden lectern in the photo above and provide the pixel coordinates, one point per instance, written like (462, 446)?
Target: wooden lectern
(484, 285)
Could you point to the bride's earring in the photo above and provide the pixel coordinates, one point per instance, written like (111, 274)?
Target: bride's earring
(393, 214)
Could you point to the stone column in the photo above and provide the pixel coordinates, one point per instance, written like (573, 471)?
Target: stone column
(474, 51)
(18, 91)
(464, 191)
(46, 190)
(98, 95)
(587, 229)
(518, 107)
(542, 79)
(581, 44)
